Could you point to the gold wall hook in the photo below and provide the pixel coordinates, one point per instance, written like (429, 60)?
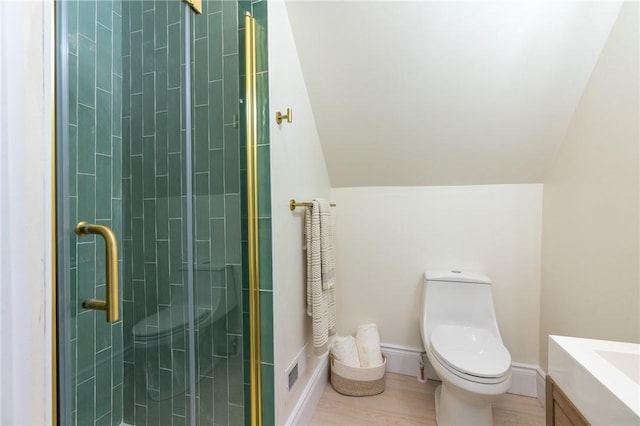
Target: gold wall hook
(288, 116)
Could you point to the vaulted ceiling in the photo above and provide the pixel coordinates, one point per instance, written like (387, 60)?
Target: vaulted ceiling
(445, 92)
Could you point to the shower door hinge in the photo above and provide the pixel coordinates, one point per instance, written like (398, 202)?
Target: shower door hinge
(196, 5)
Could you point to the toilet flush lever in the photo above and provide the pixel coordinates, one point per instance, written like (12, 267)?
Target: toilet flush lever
(111, 305)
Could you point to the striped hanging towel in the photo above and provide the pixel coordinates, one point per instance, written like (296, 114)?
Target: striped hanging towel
(320, 278)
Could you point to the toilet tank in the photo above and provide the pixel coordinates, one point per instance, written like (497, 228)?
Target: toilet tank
(457, 298)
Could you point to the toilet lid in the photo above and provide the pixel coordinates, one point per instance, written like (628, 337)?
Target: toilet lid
(471, 350)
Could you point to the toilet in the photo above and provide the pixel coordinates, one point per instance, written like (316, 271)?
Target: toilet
(463, 344)
(169, 327)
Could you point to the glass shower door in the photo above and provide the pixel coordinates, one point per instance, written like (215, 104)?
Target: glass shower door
(148, 153)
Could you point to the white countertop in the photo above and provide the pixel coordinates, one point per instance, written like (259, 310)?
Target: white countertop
(602, 378)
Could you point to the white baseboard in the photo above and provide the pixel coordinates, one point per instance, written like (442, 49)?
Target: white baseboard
(308, 401)
(527, 379)
(541, 387)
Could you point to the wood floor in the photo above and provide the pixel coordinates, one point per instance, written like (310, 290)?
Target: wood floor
(405, 401)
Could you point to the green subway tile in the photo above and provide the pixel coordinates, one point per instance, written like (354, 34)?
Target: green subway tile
(136, 62)
(266, 326)
(175, 177)
(138, 253)
(200, 72)
(126, 89)
(174, 12)
(117, 410)
(148, 42)
(148, 5)
(149, 167)
(128, 414)
(103, 122)
(231, 93)
(216, 121)
(231, 160)
(140, 410)
(262, 95)
(86, 71)
(72, 26)
(85, 353)
(85, 273)
(86, 198)
(136, 186)
(86, 401)
(116, 167)
(174, 55)
(103, 187)
(126, 147)
(72, 159)
(135, 15)
(264, 242)
(230, 27)
(103, 58)
(236, 412)
(148, 104)
(161, 79)
(217, 240)
(73, 88)
(220, 395)
(201, 139)
(116, 107)
(206, 406)
(260, 15)
(117, 41)
(87, 19)
(216, 177)
(161, 24)
(173, 120)
(214, 23)
(103, 380)
(149, 233)
(200, 24)
(126, 28)
(264, 181)
(175, 250)
(201, 206)
(162, 253)
(118, 354)
(162, 207)
(232, 229)
(268, 397)
(135, 129)
(161, 143)
(151, 283)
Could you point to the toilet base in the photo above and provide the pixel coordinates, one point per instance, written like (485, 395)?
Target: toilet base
(451, 410)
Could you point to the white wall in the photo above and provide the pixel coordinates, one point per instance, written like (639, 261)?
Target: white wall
(297, 171)
(590, 258)
(386, 237)
(26, 68)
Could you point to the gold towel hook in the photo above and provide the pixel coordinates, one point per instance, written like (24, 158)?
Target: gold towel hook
(288, 116)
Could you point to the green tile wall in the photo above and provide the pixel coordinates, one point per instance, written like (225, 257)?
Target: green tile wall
(94, 150)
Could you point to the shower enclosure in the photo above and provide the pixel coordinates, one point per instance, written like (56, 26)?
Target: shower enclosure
(152, 328)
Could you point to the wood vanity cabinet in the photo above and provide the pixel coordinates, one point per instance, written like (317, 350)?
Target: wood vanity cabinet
(560, 410)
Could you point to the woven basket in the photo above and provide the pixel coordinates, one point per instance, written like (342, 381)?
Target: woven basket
(354, 381)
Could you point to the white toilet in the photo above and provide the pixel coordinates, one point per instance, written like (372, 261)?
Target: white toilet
(463, 344)
(169, 325)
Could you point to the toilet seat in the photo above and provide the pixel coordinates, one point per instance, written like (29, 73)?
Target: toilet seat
(169, 323)
(471, 353)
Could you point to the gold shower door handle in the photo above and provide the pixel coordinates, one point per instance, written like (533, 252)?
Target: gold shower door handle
(111, 305)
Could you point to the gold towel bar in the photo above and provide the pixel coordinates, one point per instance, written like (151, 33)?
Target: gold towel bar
(293, 204)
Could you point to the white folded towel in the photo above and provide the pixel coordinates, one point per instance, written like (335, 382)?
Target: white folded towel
(344, 350)
(368, 344)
